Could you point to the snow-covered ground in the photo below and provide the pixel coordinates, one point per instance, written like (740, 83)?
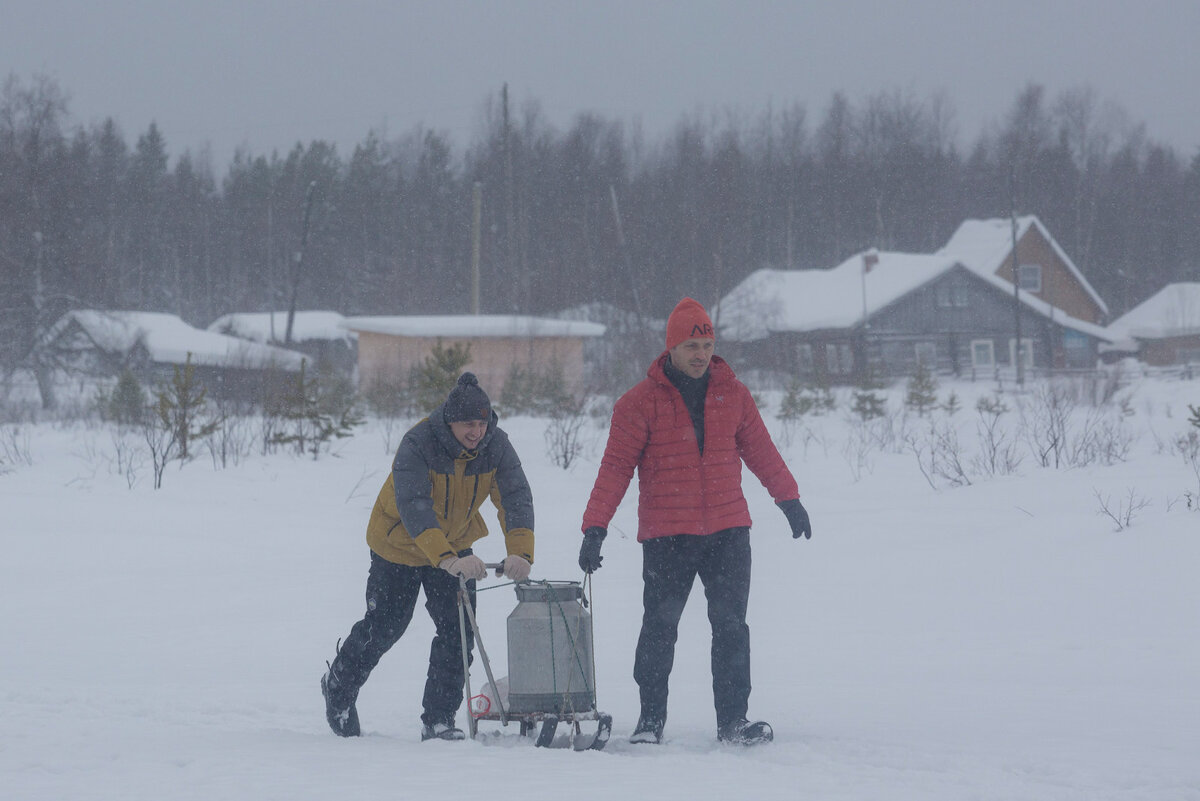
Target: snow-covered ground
(994, 641)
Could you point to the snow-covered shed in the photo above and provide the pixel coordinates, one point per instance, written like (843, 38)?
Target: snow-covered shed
(321, 335)
(1162, 330)
(390, 347)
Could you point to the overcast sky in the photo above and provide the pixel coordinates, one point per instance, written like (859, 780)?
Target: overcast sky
(229, 73)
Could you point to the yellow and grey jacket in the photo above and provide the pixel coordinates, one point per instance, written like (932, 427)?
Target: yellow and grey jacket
(428, 509)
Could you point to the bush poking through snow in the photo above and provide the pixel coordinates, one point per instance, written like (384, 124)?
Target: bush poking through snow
(1124, 510)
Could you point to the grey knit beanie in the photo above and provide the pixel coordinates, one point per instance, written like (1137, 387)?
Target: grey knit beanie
(467, 401)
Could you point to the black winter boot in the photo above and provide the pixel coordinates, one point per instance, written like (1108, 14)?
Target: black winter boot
(339, 704)
(441, 731)
(743, 732)
(647, 732)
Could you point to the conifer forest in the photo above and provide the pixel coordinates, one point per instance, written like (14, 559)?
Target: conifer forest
(96, 217)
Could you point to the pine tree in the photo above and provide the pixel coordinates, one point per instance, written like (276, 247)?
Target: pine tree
(315, 413)
(127, 403)
(800, 400)
(433, 379)
(182, 408)
(922, 390)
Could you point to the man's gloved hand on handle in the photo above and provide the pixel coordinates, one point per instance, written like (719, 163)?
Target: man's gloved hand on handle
(514, 567)
(589, 551)
(469, 567)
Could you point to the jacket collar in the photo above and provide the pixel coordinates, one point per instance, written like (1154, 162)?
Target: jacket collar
(719, 370)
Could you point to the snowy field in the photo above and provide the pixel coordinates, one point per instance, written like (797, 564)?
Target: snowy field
(1001, 640)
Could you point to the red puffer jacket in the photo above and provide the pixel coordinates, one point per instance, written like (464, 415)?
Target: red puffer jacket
(680, 492)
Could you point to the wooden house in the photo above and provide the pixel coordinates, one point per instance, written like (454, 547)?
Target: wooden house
(152, 345)
(878, 314)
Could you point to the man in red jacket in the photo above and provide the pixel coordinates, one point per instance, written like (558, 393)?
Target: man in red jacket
(686, 428)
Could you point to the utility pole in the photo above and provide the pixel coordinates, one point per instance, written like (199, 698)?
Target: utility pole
(869, 259)
(633, 282)
(476, 222)
(516, 269)
(299, 261)
(1020, 363)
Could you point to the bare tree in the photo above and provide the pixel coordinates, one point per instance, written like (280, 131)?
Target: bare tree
(34, 295)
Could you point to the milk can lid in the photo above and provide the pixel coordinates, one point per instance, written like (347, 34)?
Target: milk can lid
(544, 591)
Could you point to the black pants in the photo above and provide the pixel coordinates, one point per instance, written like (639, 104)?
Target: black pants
(391, 598)
(669, 568)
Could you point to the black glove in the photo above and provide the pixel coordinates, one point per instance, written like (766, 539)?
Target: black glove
(797, 517)
(589, 552)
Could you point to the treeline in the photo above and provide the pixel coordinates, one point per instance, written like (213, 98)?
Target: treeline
(593, 213)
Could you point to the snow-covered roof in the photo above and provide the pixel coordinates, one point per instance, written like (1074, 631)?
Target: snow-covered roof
(169, 340)
(475, 326)
(810, 300)
(813, 300)
(271, 326)
(982, 246)
(1172, 311)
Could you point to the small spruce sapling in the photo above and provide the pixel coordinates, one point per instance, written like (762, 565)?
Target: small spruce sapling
(432, 380)
(922, 390)
(182, 408)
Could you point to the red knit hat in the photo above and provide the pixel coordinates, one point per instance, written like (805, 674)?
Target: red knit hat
(688, 321)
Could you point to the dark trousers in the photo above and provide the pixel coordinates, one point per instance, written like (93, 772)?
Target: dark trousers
(669, 568)
(391, 598)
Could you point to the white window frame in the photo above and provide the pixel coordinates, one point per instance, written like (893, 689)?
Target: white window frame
(847, 355)
(831, 358)
(839, 358)
(1026, 350)
(991, 353)
(926, 353)
(942, 295)
(804, 357)
(1029, 278)
(951, 294)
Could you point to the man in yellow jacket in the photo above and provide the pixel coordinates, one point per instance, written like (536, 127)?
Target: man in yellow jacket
(425, 520)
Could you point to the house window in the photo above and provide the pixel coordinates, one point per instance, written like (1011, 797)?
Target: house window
(839, 358)
(1026, 352)
(951, 293)
(1029, 277)
(941, 294)
(804, 357)
(926, 354)
(983, 353)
